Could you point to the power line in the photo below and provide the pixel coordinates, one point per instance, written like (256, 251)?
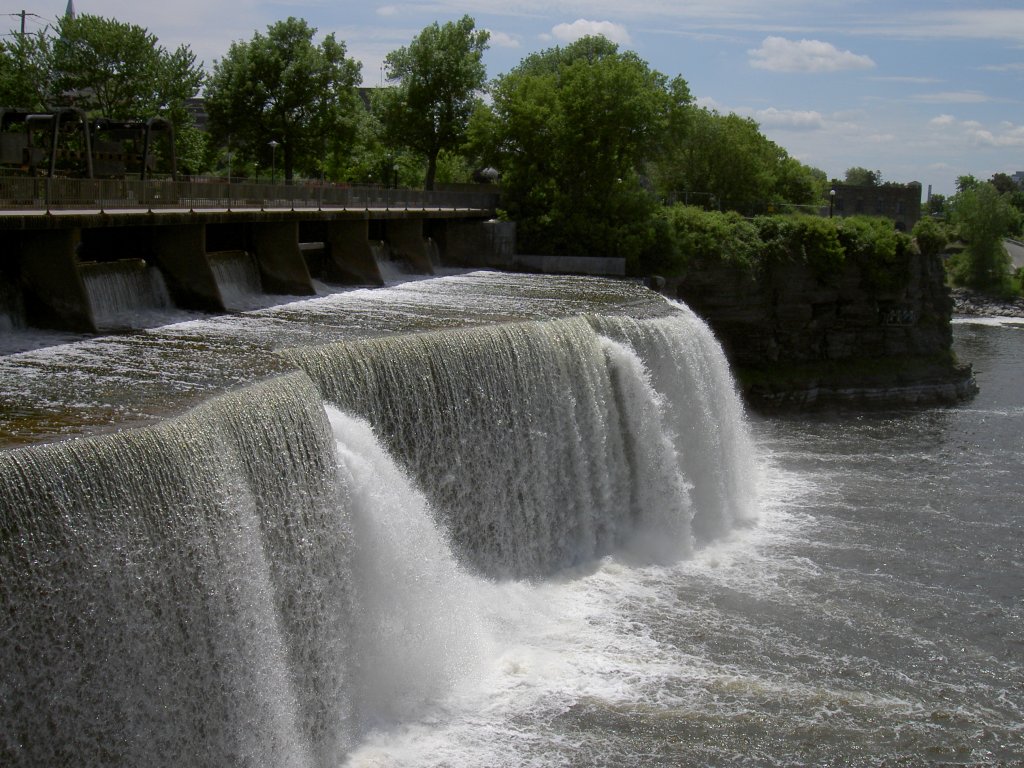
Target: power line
(24, 15)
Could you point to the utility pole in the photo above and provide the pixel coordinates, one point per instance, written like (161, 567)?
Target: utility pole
(24, 15)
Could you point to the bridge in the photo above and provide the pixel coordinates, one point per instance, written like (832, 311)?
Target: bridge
(53, 228)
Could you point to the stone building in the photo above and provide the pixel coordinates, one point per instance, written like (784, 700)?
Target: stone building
(899, 202)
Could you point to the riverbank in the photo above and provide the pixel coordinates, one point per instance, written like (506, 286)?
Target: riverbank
(972, 304)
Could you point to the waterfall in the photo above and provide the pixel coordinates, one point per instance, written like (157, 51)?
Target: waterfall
(418, 624)
(238, 278)
(268, 577)
(178, 595)
(122, 292)
(544, 445)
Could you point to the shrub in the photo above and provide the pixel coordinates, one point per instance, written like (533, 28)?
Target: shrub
(931, 236)
(878, 249)
(706, 238)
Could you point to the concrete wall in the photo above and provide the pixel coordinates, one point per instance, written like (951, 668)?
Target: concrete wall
(53, 292)
(572, 265)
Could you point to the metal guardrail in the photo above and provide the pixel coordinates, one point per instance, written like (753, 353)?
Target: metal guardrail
(19, 194)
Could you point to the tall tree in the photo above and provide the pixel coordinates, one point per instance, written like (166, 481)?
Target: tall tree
(438, 79)
(724, 161)
(984, 218)
(571, 130)
(863, 177)
(120, 70)
(26, 78)
(282, 87)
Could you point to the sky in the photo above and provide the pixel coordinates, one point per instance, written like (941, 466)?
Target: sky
(920, 90)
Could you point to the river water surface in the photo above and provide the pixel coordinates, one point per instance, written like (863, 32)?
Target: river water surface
(864, 609)
(872, 616)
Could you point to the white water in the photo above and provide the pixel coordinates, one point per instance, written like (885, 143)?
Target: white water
(262, 580)
(126, 294)
(237, 590)
(238, 279)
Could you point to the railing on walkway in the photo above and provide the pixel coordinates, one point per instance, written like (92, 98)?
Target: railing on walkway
(19, 194)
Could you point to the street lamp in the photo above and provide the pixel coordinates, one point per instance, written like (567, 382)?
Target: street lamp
(831, 201)
(274, 144)
(395, 169)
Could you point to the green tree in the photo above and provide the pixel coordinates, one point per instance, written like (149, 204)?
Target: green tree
(966, 182)
(724, 161)
(863, 177)
(439, 77)
(984, 218)
(26, 76)
(284, 88)
(571, 130)
(120, 70)
(1003, 183)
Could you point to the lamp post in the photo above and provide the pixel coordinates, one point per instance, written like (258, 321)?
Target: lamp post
(831, 201)
(274, 144)
(394, 168)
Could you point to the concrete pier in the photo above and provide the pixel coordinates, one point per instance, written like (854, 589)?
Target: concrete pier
(180, 252)
(282, 268)
(52, 288)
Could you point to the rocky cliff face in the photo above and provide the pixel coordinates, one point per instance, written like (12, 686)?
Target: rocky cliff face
(799, 338)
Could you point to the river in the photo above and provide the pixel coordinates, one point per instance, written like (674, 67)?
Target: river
(832, 589)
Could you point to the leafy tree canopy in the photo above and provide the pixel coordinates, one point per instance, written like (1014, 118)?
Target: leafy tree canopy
(106, 67)
(282, 87)
(984, 218)
(725, 162)
(571, 130)
(438, 79)
(863, 177)
(120, 71)
(26, 76)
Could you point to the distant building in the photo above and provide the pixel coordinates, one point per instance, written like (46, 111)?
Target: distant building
(899, 202)
(1018, 179)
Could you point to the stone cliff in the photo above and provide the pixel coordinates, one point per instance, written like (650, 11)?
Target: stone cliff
(799, 338)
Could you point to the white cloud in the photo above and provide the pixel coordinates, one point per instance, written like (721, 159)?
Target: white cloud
(952, 97)
(1014, 67)
(387, 10)
(1009, 135)
(973, 24)
(568, 33)
(777, 54)
(503, 39)
(942, 120)
(803, 120)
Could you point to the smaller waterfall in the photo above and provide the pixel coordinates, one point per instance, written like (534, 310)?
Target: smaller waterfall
(238, 278)
(433, 252)
(125, 293)
(419, 616)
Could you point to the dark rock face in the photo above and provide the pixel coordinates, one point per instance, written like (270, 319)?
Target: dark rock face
(799, 338)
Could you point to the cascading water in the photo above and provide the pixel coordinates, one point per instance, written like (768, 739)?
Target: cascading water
(178, 595)
(267, 581)
(121, 293)
(545, 445)
(238, 278)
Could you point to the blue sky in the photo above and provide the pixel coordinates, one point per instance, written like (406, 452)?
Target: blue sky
(922, 91)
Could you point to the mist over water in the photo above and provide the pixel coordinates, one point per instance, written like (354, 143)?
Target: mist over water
(528, 525)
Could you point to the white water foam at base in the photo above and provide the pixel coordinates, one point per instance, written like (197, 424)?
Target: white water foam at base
(572, 642)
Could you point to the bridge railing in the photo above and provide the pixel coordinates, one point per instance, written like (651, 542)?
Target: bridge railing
(63, 194)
